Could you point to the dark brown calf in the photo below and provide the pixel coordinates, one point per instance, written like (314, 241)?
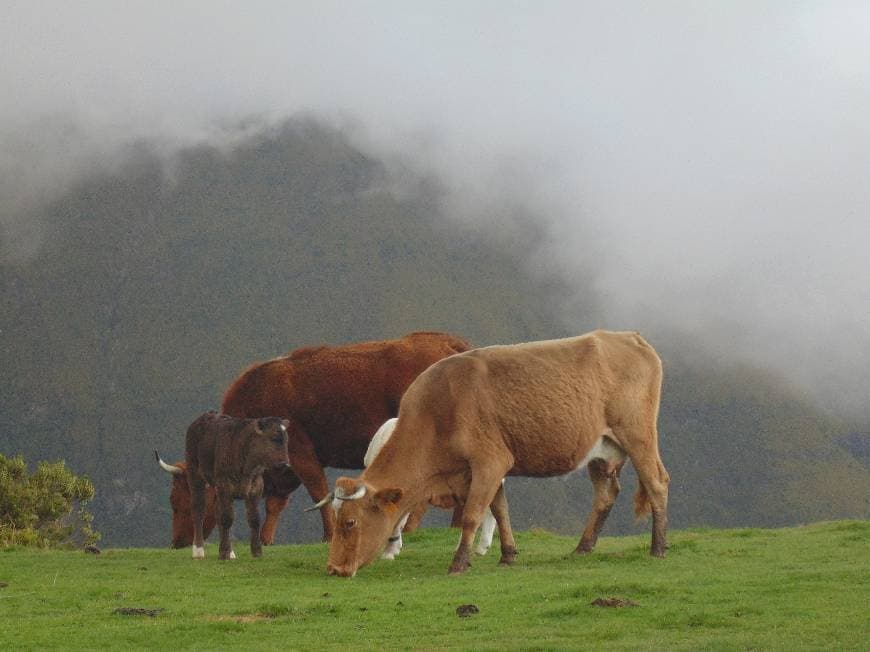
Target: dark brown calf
(230, 455)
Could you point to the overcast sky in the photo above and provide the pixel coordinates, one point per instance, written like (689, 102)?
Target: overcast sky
(709, 160)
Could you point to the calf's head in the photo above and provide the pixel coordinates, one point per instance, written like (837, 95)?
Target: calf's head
(365, 517)
(267, 444)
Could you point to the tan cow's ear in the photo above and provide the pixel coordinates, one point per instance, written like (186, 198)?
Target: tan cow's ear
(388, 497)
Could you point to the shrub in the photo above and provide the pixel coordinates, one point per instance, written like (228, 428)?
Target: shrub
(46, 508)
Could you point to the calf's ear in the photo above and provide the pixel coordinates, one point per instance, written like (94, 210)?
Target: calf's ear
(387, 498)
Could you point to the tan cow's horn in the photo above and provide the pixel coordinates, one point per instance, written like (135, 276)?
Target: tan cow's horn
(325, 500)
(359, 493)
(169, 468)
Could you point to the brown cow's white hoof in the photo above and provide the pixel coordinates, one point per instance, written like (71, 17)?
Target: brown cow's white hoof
(198, 553)
(232, 554)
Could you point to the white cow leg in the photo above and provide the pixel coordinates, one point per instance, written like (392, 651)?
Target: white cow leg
(487, 529)
(394, 543)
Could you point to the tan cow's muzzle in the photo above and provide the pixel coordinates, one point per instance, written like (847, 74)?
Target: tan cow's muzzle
(341, 571)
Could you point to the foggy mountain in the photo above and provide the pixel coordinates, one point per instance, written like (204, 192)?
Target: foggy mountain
(188, 188)
(158, 278)
(708, 162)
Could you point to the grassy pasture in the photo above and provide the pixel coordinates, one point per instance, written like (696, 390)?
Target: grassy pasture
(794, 588)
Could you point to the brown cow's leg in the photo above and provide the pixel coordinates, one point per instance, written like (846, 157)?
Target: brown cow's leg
(499, 509)
(274, 506)
(304, 462)
(197, 508)
(224, 504)
(606, 487)
(253, 513)
(415, 517)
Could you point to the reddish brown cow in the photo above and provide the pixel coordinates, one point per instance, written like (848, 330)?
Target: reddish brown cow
(536, 409)
(335, 397)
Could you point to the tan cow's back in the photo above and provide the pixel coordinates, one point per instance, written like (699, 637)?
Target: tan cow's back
(548, 402)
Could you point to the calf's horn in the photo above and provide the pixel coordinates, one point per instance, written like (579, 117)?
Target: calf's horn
(325, 500)
(169, 468)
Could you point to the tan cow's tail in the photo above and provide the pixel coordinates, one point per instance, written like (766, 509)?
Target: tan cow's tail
(642, 507)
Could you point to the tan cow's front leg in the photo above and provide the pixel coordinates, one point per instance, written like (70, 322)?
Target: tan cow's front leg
(415, 517)
(606, 485)
(485, 482)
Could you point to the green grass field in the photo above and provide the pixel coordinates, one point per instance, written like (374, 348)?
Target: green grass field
(796, 588)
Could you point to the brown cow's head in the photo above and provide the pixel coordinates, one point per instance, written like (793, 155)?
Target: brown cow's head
(267, 446)
(179, 499)
(365, 517)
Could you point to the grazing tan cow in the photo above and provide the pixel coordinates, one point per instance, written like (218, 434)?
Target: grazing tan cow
(536, 409)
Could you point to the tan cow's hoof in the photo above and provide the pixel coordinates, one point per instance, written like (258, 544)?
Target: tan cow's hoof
(508, 556)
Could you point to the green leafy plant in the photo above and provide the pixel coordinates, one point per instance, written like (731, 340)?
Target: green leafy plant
(46, 508)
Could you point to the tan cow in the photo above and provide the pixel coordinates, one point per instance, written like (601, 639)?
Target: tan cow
(538, 409)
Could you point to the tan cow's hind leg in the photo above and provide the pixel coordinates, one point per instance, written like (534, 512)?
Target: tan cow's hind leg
(606, 485)
(652, 491)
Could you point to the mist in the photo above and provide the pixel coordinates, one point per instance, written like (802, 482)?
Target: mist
(703, 165)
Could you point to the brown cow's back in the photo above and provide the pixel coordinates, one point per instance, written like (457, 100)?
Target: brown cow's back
(335, 397)
(339, 395)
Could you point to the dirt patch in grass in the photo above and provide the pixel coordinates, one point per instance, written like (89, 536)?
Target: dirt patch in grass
(613, 602)
(136, 611)
(244, 618)
(466, 610)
